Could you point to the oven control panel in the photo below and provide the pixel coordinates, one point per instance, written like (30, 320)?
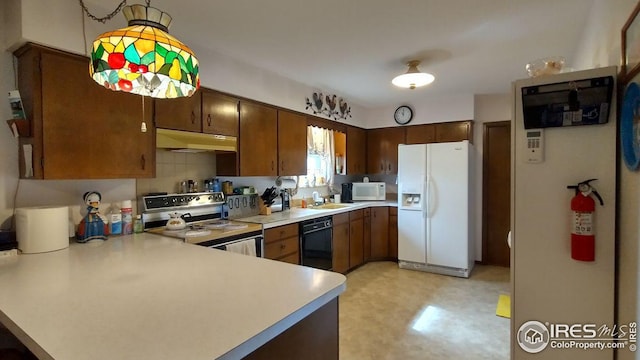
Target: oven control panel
(172, 201)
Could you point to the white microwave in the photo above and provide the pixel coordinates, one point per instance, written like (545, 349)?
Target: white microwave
(368, 191)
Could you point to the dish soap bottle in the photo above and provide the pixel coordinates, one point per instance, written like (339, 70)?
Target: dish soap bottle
(138, 226)
(127, 218)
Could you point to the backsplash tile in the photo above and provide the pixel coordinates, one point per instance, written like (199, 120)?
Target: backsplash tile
(175, 167)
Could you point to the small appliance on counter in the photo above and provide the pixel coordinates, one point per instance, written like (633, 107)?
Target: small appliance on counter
(42, 229)
(282, 202)
(368, 191)
(347, 193)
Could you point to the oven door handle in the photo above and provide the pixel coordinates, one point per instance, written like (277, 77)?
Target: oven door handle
(257, 238)
(315, 230)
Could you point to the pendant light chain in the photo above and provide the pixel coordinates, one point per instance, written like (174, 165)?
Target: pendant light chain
(143, 126)
(107, 17)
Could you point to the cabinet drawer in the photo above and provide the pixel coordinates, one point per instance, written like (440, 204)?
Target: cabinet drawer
(340, 218)
(367, 212)
(393, 210)
(280, 232)
(281, 248)
(292, 258)
(355, 215)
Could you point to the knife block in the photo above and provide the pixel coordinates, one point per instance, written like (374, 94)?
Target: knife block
(264, 210)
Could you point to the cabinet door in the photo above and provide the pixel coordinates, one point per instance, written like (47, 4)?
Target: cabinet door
(366, 238)
(219, 113)
(258, 140)
(379, 232)
(341, 247)
(356, 150)
(376, 150)
(382, 150)
(394, 137)
(356, 243)
(454, 131)
(90, 132)
(393, 236)
(179, 114)
(420, 134)
(292, 144)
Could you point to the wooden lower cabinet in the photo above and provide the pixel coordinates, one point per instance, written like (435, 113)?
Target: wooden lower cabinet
(341, 243)
(393, 233)
(282, 243)
(379, 233)
(366, 238)
(356, 238)
(312, 338)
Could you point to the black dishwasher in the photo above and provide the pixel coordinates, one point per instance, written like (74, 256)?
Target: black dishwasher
(315, 243)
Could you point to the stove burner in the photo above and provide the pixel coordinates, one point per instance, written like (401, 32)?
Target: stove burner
(217, 224)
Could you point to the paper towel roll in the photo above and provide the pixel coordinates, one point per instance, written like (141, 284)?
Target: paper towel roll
(287, 183)
(42, 229)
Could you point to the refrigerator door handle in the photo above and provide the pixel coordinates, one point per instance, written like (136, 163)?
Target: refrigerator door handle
(433, 197)
(425, 201)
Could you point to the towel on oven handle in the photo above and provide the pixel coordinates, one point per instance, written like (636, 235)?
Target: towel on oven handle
(246, 247)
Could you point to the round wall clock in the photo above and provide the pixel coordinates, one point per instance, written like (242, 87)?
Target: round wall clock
(403, 115)
(630, 127)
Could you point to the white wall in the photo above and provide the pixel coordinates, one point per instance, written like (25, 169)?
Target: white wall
(600, 46)
(8, 144)
(430, 109)
(487, 108)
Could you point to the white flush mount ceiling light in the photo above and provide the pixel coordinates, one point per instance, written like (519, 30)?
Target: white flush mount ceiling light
(413, 78)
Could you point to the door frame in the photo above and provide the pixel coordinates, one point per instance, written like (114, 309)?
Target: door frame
(485, 165)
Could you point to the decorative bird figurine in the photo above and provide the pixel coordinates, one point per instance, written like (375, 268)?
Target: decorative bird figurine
(317, 101)
(332, 103)
(343, 106)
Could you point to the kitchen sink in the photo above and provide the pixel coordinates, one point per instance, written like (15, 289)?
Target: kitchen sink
(328, 206)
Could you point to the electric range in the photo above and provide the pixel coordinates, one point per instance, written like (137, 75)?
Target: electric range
(203, 214)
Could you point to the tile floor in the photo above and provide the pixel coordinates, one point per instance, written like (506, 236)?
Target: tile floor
(389, 313)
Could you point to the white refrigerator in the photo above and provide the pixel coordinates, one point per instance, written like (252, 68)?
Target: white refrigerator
(434, 229)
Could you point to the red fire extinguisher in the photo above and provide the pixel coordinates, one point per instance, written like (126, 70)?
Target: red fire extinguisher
(583, 240)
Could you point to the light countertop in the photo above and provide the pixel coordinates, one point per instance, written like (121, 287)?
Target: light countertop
(295, 215)
(146, 296)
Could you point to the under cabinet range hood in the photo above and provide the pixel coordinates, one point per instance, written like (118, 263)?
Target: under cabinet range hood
(185, 141)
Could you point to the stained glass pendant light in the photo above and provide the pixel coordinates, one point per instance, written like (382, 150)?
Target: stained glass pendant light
(143, 58)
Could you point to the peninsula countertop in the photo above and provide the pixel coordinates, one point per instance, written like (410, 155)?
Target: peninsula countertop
(146, 296)
(297, 214)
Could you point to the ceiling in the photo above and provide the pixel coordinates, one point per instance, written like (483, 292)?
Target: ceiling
(355, 47)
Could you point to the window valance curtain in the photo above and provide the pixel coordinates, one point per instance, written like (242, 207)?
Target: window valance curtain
(320, 142)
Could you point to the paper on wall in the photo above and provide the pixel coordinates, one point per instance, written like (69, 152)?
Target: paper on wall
(27, 151)
(15, 102)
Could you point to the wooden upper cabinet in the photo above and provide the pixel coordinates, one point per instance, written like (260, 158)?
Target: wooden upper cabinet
(292, 144)
(376, 150)
(382, 149)
(421, 134)
(219, 113)
(258, 150)
(356, 151)
(179, 114)
(80, 130)
(454, 131)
